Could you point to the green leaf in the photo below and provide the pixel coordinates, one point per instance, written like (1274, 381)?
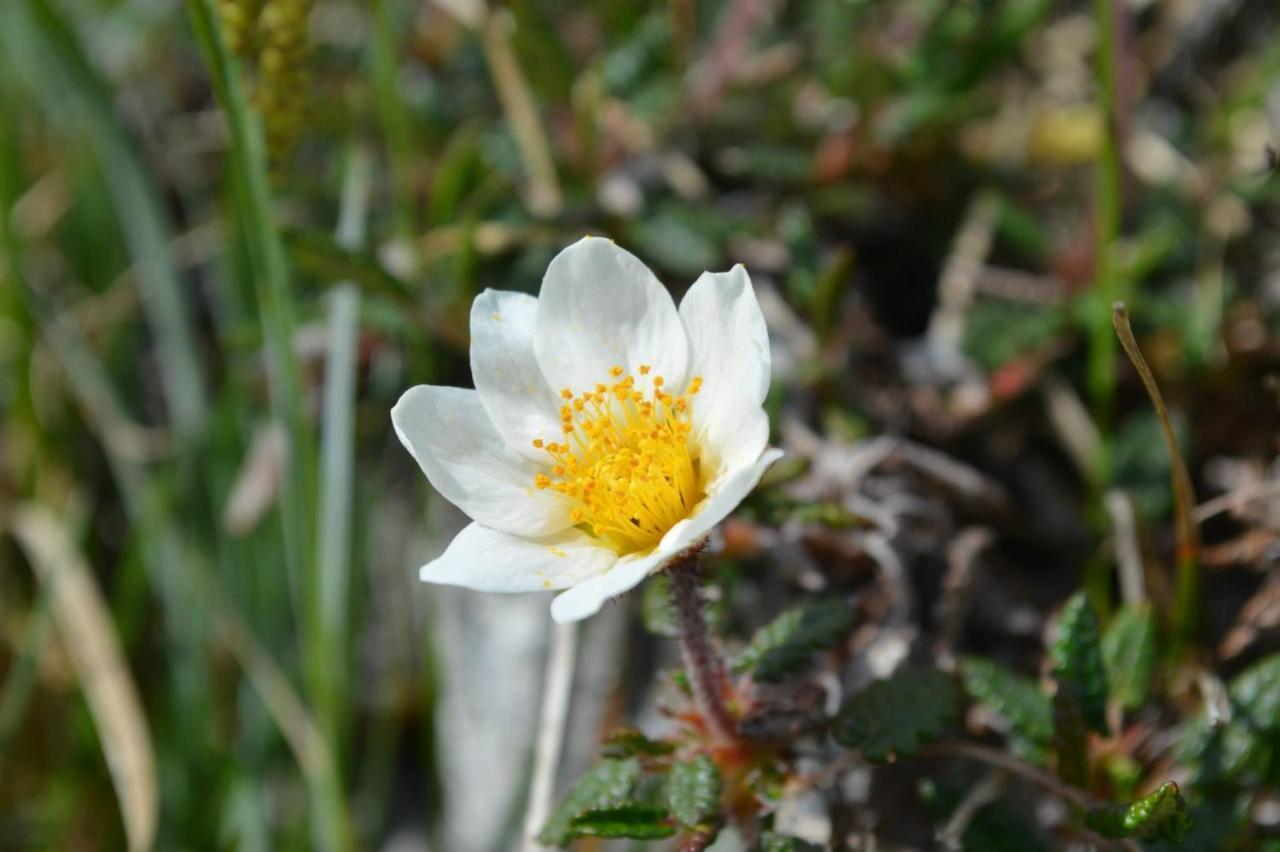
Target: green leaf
(1077, 661)
(630, 819)
(1013, 697)
(788, 641)
(771, 842)
(694, 791)
(1129, 652)
(1160, 816)
(629, 742)
(608, 784)
(894, 716)
(1255, 692)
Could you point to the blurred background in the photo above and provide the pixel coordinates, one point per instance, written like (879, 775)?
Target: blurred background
(232, 232)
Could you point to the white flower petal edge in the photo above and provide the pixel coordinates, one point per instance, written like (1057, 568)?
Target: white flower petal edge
(585, 599)
(491, 561)
(520, 403)
(448, 431)
(601, 307)
(729, 349)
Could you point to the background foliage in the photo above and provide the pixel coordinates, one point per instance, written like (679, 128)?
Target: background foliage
(232, 232)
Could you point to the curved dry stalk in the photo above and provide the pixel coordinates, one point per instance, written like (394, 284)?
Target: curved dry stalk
(84, 622)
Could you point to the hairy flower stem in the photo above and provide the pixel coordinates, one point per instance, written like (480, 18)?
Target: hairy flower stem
(706, 670)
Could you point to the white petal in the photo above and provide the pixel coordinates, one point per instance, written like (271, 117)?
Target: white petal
(723, 498)
(491, 561)
(729, 349)
(600, 307)
(514, 392)
(586, 598)
(460, 451)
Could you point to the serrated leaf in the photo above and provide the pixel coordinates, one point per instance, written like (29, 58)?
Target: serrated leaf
(1255, 692)
(1159, 816)
(1011, 696)
(1077, 661)
(1129, 653)
(787, 642)
(630, 819)
(894, 716)
(607, 784)
(629, 742)
(693, 793)
(771, 842)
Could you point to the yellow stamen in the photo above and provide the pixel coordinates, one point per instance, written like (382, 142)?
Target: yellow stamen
(628, 465)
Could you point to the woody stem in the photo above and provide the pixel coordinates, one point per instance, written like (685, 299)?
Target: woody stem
(706, 670)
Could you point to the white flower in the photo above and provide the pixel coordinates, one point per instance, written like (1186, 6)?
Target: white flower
(607, 434)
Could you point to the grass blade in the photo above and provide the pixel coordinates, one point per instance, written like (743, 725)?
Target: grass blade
(89, 635)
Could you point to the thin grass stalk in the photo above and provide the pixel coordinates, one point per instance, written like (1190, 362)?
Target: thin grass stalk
(89, 635)
(247, 162)
(394, 120)
(248, 169)
(543, 194)
(1107, 287)
(1187, 589)
(556, 688)
(328, 646)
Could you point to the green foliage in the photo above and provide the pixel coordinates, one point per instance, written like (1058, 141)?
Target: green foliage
(771, 842)
(693, 791)
(1129, 651)
(1255, 693)
(998, 332)
(631, 819)
(893, 717)
(1077, 661)
(787, 642)
(1159, 816)
(607, 785)
(995, 827)
(629, 742)
(1016, 699)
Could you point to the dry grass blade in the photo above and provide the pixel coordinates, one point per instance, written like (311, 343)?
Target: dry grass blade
(286, 708)
(1183, 496)
(90, 638)
(544, 197)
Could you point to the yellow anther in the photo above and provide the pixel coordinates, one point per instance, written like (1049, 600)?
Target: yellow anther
(631, 472)
(537, 443)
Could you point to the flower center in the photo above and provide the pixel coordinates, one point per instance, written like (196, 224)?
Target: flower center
(626, 462)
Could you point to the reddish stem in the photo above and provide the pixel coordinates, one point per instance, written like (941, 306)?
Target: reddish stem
(706, 670)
